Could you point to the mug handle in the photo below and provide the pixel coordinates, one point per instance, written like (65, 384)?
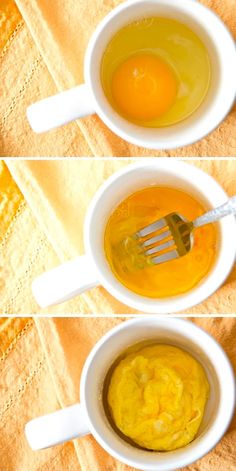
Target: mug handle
(60, 109)
(65, 281)
(58, 427)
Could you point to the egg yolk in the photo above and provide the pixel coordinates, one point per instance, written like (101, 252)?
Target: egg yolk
(157, 397)
(144, 87)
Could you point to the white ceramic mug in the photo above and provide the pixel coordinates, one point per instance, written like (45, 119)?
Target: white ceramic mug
(89, 417)
(90, 98)
(92, 269)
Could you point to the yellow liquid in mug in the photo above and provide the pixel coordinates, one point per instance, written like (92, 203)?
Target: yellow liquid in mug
(174, 277)
(155, 72)
(155, 396)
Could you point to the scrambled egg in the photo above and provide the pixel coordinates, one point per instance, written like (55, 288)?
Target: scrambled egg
(157, 397)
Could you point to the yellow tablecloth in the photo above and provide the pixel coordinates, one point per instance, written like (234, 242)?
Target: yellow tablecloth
(10, 20)
(45, 54)
(40, 372)
(50, 229)
(23, 73)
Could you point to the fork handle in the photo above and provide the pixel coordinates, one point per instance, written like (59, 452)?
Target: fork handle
(215, 214)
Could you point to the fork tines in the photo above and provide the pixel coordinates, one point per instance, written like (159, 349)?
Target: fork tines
(149, 240)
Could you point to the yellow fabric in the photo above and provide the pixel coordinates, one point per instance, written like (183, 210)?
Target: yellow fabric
(23, 75)
(46, 55)
(10, 331)
(10, 17)
(12, 203)
(10, 199)
(21, 244)
(27, 386)
(42, 372)
(58, 194)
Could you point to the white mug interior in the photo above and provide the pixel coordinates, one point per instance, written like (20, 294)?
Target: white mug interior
(179, 175)
(222, 90)
(195, 341)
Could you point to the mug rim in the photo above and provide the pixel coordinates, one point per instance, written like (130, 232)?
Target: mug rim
(195, 133)
(169, 304)
(188, 330)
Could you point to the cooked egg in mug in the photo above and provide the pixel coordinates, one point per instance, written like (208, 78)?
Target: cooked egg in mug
(155, 72)
(155, 395)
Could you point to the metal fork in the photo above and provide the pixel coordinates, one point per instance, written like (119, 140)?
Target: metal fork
(171, 236)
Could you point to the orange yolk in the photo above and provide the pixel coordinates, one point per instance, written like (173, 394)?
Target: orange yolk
(144, 87)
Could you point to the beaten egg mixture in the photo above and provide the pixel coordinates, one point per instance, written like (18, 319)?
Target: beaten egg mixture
(174, 277)
(157, 396)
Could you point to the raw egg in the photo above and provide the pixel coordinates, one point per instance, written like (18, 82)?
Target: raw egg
(144, 87)
(155, 72)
